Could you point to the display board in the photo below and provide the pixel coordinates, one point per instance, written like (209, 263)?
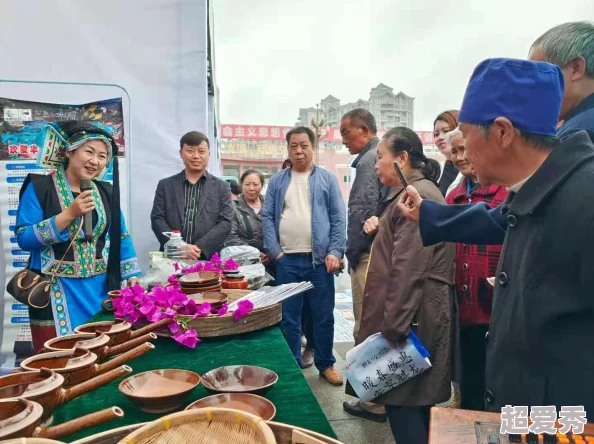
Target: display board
(20, 123)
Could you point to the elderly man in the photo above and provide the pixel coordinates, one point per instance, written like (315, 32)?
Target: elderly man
(303, 221)
(570, 46)
(542, 323)
(358, 130)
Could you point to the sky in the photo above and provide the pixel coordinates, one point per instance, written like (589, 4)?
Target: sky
(273, 57)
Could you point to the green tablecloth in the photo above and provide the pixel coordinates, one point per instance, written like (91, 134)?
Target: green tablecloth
(292, 396)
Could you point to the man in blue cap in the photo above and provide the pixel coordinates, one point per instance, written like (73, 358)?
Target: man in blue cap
(542, 323)
(569, 46)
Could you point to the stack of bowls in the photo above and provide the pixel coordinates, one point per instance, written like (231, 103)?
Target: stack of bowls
(215, 298)
(200, 282)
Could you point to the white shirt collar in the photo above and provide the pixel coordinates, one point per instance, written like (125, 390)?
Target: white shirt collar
(515, 188)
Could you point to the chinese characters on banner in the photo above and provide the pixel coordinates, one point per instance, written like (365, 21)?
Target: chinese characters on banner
(20, 123)
(374, 367)
(259, 132)
(544, 420)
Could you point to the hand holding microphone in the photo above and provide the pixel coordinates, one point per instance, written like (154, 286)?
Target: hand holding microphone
(83, 206)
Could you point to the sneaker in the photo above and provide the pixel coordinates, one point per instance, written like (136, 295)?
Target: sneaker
(354, 408)
(333, 376)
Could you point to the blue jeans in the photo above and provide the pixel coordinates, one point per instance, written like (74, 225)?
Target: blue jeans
(299, 268)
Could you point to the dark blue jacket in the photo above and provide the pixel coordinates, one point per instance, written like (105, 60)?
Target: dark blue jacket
(478, 223)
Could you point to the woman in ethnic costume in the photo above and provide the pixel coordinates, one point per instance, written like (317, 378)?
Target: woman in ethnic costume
(49, 226)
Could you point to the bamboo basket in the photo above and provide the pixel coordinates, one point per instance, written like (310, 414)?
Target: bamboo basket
(30, 441)
(109, 436)
(215, 326)
(204, 426)
(284, 434)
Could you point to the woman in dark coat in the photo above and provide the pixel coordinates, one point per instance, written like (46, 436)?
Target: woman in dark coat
(410, 286)
(246, 228)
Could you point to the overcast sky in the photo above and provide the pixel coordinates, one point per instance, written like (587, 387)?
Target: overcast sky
(276, 56)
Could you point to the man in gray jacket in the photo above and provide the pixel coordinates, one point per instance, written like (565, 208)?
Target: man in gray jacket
(358, 130)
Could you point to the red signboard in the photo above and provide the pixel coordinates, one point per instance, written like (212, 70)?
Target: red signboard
(263, 132)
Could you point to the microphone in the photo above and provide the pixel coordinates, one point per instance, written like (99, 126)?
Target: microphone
(86, 185)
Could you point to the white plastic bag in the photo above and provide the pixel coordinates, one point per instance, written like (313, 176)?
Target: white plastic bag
(256, 275)
(374, 367)
(242, 254)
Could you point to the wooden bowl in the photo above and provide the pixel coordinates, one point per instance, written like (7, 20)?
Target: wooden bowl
(214, 298)
(246, 402)
(159, 391)
(189, 291)
(239, 379)
(200, 277)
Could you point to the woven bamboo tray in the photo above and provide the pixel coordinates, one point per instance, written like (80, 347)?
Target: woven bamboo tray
(110, 436)
(30, 441)
(282, 432)
(204, 426)
(215, 326)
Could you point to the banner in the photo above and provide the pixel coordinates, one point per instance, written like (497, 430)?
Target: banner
(20, 122)
(264, 132)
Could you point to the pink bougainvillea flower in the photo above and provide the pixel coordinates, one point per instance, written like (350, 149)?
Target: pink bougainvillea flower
(215, 260)
(169, 313)
(177, 299)
(243, 308)
(134, 317)
(146, 306)
(210, 267)
(173, 279)
(156, 314)
(230, 264)
(173, 327)
(190, 307)
(116, 303)
(202, 310)
(245, 304)
(188, 338)
(176, 266)
(124, 309)
(160, 296)
(223, 310)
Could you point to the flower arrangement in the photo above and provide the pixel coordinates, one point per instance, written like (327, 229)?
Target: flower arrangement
(215, 264)
(138, 306)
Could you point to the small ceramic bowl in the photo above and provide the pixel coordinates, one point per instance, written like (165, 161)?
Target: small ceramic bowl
(159, 391)
(192, 290)
(239, 379)
(107, 304)
(214, 298)
(200, 277)
(246, 402)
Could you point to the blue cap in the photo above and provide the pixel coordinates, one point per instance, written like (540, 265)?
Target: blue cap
(527, 93)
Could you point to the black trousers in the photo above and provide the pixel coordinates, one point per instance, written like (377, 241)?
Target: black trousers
(473, 352)
(409, 424)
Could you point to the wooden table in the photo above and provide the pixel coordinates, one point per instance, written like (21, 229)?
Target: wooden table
(456, 426)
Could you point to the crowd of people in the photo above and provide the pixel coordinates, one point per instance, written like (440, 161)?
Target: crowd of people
(485, 256)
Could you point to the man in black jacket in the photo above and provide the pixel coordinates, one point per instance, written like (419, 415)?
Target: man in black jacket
(358, 130)
(194, 202)
(542, 323)
(571, 47)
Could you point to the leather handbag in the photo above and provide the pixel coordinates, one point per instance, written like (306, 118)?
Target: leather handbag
(31, 288)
